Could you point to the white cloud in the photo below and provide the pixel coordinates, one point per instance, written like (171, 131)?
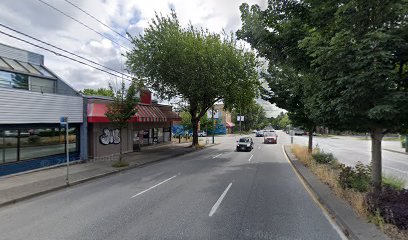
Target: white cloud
(39, 20)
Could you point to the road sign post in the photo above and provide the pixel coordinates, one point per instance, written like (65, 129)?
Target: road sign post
(64, 122)
(240, 119)
(213, 128)
(291, 131)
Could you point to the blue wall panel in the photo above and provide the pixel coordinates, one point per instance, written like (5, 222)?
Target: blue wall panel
(26, 165)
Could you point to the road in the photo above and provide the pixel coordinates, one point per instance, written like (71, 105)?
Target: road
(350, 150)
(215, 193)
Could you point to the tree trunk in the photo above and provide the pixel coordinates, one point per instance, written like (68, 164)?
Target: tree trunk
(194, 122)
(310, 144)
(376, 138)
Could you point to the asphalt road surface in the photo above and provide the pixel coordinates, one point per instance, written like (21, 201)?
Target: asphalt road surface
(215, 193)
(350, 150)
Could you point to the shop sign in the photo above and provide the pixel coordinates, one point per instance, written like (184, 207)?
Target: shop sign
(110, 136)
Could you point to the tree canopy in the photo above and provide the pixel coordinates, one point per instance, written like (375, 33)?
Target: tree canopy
(275, 33)
(98, 92)
(122, 108)
(194, 65)
(342, 64)
(254, 116)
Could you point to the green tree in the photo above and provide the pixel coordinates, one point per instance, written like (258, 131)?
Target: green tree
(275, 33)
(122, 109)
(284, 121)
(192, 64)
(254, 116)
(205, 122)
(359, 51)
(98, 92)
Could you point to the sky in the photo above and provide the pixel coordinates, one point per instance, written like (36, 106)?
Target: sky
(39, 20)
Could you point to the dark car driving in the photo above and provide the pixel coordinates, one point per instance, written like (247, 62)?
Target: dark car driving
(245, 144)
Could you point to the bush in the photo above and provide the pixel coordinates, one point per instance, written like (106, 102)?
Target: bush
(392, 205)
(33, 139)
(119, 164)
(49, 133)
(322, 157)
(358, 178)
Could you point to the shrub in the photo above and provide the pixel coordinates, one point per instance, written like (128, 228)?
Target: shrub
(33, 139)
(392, 205)
(322, 157)
(119, 164)
(302, 154)
(358, 178)
(48, 133)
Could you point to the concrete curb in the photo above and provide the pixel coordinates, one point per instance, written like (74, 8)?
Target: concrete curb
(340, 211)
(114, 171)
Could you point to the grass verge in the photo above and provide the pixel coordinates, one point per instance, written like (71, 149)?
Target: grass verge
(334, 174)
(120, 164)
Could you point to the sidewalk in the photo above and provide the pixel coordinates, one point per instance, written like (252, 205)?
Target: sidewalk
(18, 187)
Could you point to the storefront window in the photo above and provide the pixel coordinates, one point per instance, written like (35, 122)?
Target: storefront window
(8, 146)
(160, 135)
(25, 144)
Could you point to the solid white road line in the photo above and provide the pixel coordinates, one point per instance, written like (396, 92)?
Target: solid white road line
(217, 204)
(250, 158)
(150, 188)
(217, 155)
(394, 169)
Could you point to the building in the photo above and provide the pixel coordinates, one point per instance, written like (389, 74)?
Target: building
(151, 125)
(33, 99)
(224, 117)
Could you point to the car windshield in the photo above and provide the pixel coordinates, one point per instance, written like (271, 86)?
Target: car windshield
(244, 140)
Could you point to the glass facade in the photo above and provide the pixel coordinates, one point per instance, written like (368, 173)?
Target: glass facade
(14, 64)
(42, 85)
(30, 143)
(13, 80)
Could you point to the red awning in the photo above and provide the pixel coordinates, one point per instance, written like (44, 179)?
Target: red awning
(145, 113)
(230, 124)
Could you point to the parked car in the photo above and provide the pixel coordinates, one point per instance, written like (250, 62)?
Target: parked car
(202, 134)
(271, 137)
(259, 134)
(299, 131)
(254, 131)
(245, 144)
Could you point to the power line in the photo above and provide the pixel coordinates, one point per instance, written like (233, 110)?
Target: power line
(62, 55)
(83, 24)
(61, 49)
(99, 21)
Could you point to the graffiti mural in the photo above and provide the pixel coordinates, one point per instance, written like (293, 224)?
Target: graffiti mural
(110, 136)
